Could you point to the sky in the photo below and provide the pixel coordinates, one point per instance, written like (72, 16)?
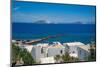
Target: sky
(30, 12)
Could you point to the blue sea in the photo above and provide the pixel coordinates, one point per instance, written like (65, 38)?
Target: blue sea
(70, 32)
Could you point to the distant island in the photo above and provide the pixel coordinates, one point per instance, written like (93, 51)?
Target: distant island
(51, 22)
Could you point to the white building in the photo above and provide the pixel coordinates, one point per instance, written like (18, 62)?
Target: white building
(39, 51)
(56, 49)
(78, 50)
(47, 60)
(45, 52)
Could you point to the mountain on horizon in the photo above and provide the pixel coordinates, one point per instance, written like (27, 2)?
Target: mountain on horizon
(49, 22)
(42, 22)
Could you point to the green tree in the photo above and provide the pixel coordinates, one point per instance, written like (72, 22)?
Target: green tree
(27, 57)
(21, 53)
(67, 58)
(15, 53)
(57, 58)
(92, 56)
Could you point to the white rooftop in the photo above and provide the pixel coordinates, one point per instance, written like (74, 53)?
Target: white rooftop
(43, 44)
(56, 45)
(74, 43)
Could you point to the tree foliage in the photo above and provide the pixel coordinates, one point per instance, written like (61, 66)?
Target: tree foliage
(67, 58)
(19, 53)
(92, 56)
(57, 58)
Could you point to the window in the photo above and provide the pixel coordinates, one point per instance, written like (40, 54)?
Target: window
(47, 54)
(73, 52)
(41, 50)
(80, 52)
(61, 51)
